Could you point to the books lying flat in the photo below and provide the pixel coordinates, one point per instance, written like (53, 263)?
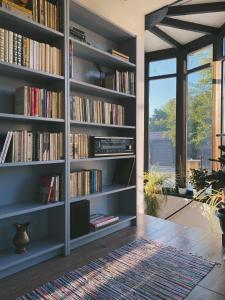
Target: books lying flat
(27, 146)
(119, 55)
(50, 189)
(18, 9)
(32, 101)
(85, 182)
(98, 221)
(23, 51)
(96, 111)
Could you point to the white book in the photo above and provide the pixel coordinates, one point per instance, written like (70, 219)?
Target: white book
(5, 151)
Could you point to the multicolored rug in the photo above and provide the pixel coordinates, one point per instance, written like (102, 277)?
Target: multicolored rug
(139, 270)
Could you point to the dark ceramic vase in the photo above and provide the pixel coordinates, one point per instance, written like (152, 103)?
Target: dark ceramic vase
(220, 213)
(21, 238)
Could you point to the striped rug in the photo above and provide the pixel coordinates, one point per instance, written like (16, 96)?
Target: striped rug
(139, 270)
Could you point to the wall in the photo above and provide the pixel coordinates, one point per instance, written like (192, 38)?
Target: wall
(116, 12)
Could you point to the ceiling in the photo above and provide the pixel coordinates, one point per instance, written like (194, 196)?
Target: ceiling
(214, 19)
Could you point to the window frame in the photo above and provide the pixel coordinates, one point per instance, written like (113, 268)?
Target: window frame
(181, 93)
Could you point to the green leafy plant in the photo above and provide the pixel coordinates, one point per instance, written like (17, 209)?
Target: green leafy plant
(215, 200)
(198, 179)
(154, 192)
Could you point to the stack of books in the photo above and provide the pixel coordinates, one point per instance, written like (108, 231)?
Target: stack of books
(78, 145)
(16, 8)
(22, 51)
(98, 221)
(123, 82)
(77, 34)
(46, 13)
(86, 110)
(33, 101)
(51, 189)
(27, 146)
(120, 55)
(85, 182)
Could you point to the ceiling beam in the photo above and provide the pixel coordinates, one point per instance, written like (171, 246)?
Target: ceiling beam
(155, 18)
(175, 23)
(196, 9)
(165, 37)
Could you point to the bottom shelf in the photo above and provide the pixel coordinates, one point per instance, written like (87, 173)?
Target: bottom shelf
(124, 221)
(10, 262)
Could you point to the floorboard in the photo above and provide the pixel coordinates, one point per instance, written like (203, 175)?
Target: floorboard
(189, 239)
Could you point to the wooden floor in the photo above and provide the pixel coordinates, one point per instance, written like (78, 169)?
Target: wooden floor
(193, 240)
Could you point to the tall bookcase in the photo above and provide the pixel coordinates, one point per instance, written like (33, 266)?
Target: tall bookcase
(19, 182)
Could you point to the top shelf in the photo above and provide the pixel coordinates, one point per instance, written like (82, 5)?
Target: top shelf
(79, 14)
(12, 21)
(96, 55)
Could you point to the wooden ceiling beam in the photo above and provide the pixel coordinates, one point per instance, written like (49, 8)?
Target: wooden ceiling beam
(196, 9)
(165, 37)
(195, 27)
(155, 18)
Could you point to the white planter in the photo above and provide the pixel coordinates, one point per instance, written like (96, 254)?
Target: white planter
(182, 191)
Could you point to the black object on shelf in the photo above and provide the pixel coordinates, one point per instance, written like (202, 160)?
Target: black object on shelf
(125, 172)
(79, 218)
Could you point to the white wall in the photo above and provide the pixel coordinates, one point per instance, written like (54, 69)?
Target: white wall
(116, 12)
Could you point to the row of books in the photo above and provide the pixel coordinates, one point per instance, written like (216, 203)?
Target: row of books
(27, 146)
(86, 110)
(123, 82)
(78, 146)
(51, 189)
(23, 51)
(41, 11)
(46, 13)
(33, 101)
(98, 221)
(85, 182)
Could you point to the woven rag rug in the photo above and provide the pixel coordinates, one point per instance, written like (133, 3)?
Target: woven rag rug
(139, 270)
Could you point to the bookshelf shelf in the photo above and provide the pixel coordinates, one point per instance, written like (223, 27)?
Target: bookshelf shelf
(96, 55)
(124, 221)
(78, 123)
(9, 259)
(84, 87)
(13, 70)
(102, 158)
(27, 26)
(29, 118)
(32, 163)
(11, 210)
(106, 190)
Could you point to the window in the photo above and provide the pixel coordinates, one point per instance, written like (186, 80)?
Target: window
(199, 112)
(162, 67)
(200, 57)
(162, 118)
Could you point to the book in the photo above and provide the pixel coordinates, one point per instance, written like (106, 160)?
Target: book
(79, 145)
(33, 101)
(50, 189)
(123, 82)
(6, 145)
(23, 51)
(119, 54)
(83, 109)
(98, 221)
(85, 182)
(18, 9)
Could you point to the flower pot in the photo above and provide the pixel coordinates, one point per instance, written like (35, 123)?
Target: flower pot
(220, 213)
(182, 190)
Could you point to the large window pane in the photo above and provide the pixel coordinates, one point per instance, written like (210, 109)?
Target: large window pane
(162, 67)
(162, 124)
(199, 121)
(200, 57)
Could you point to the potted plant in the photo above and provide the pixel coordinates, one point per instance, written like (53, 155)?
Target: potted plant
(154, 192)
(181, 179)
(198, 180)
(216, 201)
